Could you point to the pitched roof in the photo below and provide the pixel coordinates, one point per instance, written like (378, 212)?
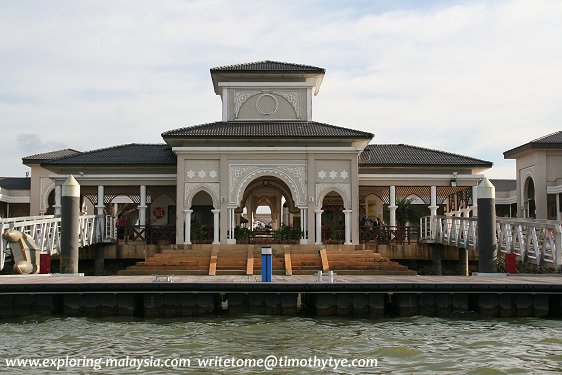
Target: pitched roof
(555, 137)
(15, 183)
(553, 140)
(49, 155)
(268, 66)
(504, 185)
(406, 155)
(267, 129)
(128, 154)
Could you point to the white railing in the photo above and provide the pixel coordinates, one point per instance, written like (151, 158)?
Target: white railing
(534, 241)
(110, 230)
(45, 231)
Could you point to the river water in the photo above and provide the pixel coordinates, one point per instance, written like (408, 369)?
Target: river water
(420, 345)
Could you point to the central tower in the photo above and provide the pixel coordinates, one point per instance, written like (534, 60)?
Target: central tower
(267, 90)
(267, 150)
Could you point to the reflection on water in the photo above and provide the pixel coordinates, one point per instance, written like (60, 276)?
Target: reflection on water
(401, 346)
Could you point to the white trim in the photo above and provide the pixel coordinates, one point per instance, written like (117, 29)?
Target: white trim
(406, 177)
(139, 177)
(224, 98)
(8, 199)
(308, 104)
(269, 150)
(510, 200)
(554, 189)
(267, 84)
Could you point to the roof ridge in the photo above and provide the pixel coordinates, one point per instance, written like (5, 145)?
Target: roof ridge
(173, 132)
(426, 149)
(50, 152)
(122, 145)
(247, 65)
(545, 136)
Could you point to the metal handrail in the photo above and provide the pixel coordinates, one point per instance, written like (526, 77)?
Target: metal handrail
(533, 241)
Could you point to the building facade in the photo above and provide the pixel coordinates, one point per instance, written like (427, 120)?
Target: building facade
(325, 182)
(538, 177)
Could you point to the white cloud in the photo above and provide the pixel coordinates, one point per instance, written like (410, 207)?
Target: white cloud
(476, 78)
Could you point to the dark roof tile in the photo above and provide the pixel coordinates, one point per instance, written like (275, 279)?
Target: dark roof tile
(406, 155)
(267, 129)
(268, 66)
(129, 154)
(15, 183)
(50, 155)
(553, 140)
(555, 137)
(504, 185)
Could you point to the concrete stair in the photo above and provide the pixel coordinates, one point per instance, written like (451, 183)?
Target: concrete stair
(246, 260)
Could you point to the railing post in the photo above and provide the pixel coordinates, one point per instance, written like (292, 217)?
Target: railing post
(556, 252)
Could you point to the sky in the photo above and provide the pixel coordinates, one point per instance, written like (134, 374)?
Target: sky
(471, 77)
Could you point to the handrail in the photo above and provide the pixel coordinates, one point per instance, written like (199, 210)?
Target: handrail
(45, 231)
(533, 241)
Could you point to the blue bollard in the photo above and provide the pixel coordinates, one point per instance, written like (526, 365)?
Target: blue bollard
(266, 269)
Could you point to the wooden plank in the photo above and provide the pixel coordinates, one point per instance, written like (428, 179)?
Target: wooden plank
(213, 262)
(288, 265)
(250, 261)
(324, 257)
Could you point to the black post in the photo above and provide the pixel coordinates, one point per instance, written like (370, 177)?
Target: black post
(463, 262)
(70, 226)
(487, 241)
(437, 259)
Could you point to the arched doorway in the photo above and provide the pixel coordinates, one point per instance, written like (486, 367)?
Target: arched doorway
(530, 210)
(268, 208)
(333, 218)
(202, 218)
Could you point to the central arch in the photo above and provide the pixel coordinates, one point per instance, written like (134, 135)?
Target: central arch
(294, 176)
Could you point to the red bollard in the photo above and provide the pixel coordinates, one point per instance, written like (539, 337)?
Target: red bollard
(45, 263)
(511, 263)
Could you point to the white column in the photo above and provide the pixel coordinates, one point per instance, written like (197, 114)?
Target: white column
(392, 206)
(100, 207)
(558, 214)
(475, 201)
(216, 213)
(142, 206)
(187, 226)
(433, 204)
(318, 227)
(304, 229)
(347, 214)
(58, 201)
(231, 221)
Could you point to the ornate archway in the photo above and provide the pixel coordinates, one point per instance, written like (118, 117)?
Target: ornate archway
(242, 175)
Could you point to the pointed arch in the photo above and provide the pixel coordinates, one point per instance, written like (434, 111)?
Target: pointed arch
(344, 190)
(211, 188)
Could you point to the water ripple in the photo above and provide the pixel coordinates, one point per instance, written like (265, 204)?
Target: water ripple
(402, 346)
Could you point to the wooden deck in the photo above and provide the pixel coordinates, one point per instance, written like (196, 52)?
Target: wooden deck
(280, 283)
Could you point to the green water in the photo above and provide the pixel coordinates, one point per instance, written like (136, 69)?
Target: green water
(419, 345)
